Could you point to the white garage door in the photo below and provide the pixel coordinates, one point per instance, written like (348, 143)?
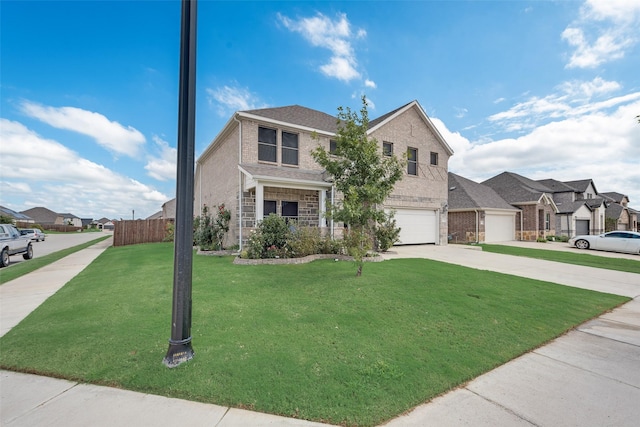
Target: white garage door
(418, 226)
(499, 228)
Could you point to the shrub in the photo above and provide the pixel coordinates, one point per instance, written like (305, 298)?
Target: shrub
(269, 240)
(209, 233)
(169, 232)
(305, 241)
(387, 234)
(275, 231)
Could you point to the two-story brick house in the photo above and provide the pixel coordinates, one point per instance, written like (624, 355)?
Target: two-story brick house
(261, 163)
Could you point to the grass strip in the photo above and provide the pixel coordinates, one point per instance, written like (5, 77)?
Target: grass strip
(309, 341)
(14, 271)
(588, 260)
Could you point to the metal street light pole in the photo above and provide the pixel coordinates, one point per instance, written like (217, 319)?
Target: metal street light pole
(180, 349)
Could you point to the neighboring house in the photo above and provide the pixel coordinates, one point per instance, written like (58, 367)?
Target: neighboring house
(86, 222)
(478, 214)
(580, 210)
(169, 209)
(537, 218)
(619, 213)
(260, 163)
(157, 215)
(68, 219)
(17, 216)
(105, 224)
(41, 215)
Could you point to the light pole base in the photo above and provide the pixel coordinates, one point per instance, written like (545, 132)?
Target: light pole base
(179, 352)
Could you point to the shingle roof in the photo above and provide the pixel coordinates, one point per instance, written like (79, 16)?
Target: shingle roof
(556, 186)
(580, 185)
(516, 189)
(41, 215)
(571, 207)
(614, 210)
(298, 115)
(15, 215)
(467, 194)
(382, 118)
(613, 196)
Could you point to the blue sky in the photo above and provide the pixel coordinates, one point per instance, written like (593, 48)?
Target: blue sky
(88, 111)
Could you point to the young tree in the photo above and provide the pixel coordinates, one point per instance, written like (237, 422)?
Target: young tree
(364, 177)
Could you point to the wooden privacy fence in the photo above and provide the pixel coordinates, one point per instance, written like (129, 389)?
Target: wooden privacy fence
(140, 231)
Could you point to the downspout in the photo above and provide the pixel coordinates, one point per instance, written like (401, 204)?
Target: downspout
(521, 225)
(333, 191)
(199, 189)
(235, 117)
(477, 225)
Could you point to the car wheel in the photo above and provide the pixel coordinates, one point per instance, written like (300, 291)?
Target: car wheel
(29, 253)
(582, 244)
(4, 258)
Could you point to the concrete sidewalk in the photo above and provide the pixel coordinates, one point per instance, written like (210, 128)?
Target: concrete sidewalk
(589, 377)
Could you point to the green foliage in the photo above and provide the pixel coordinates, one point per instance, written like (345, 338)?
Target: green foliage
(169, 232)
(269, 240)
(6, 219)
(610, 224)
(274, 238)
(209, 232)
(387, 233)
(305, 241)
(361, 174)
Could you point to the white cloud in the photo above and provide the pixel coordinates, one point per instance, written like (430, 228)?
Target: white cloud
(111, 135)
(334, 35)
(86, 189)
(229, 99)
(604, 32)
(370, 84)
(597, 144)
(573, 98)
(163, 166)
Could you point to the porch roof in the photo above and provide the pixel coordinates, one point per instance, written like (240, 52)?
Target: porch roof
(260, 172)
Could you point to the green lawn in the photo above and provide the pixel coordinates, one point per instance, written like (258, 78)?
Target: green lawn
(309, 341)
(16, 270)
(586, 259)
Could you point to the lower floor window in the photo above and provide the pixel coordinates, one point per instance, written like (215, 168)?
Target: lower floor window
(290, 209)
(269, 207)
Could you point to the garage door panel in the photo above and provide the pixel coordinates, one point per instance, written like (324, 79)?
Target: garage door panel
(499, 228)
(417, 226)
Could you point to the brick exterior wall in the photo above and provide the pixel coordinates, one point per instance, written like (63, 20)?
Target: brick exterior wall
(533, 222)
(462, 227)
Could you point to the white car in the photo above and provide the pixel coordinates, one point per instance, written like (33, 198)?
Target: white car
(614, 241)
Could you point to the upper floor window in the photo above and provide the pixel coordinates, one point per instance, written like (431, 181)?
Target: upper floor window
(412, 161)
(387, 148)
(267, 150)
(289, 148)
(434, 159)
(333, 146)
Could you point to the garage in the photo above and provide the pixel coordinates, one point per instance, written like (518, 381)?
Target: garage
(418, 226)
(499, 227)
(582, 227)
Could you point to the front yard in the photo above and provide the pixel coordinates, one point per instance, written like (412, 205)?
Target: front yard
(309, 341)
